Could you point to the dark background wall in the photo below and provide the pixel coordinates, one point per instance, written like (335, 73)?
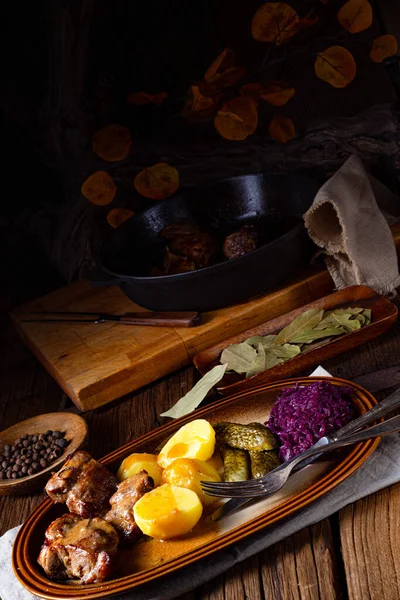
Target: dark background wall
(67, 66)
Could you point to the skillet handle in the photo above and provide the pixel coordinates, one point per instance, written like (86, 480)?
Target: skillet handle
(162, 319)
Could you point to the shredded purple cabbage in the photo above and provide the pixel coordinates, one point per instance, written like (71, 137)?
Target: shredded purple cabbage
(302, 415)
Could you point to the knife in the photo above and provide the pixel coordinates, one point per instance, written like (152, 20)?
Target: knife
(390, 403)
(155, 319)
(379, 380)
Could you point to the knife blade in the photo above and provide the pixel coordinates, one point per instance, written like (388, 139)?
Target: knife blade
(229, 507)
(379, 380)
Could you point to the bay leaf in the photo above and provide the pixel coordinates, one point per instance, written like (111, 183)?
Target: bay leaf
(271, 360)
(286, 351)
(346, 321)
(196, 395)
(265, 340)
(361, 319)
(310, 335)
(368, 315)
(306, 321)
(263, 361)
(356, 310)
(317, 344)
(259, 364)
(238, 357)
(344, 315)
(351, 310)
(327, 321)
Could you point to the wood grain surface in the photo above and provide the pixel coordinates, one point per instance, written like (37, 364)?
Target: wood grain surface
(352, 555)
(95, 364)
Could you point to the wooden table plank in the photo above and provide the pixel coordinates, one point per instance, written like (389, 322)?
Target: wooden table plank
(321, 562)
(370, 539)
(303, 566)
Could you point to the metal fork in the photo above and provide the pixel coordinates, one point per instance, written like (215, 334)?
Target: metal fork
(378, 411)
(276, 479)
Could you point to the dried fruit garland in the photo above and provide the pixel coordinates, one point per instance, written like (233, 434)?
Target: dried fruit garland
(275, 24)
(235, 118)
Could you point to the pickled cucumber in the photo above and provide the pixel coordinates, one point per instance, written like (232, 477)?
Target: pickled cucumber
(236, 464)
(263, 462)
(253, 436)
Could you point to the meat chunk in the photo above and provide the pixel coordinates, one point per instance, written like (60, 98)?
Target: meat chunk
(83, 484)
(185, 240)
(60, 484)
(76, 548)
(198, 247)
(240, 242)
(175, 230)
(174, 264)
(123, 501)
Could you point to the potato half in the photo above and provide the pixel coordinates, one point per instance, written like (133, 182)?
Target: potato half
(193, 440)
(187, 473)
(167, 512)
(134, 463)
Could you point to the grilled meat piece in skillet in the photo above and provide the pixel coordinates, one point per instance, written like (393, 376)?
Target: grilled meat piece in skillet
(240, 242)
(177, 230)
(185, 240)
(76, 548)
(83, 484)
(174, 264)
(123, 501)
(198, 247)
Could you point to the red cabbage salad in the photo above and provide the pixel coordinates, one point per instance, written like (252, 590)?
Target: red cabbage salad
(302, 415)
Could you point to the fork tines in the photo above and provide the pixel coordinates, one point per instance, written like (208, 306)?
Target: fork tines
(237, 489)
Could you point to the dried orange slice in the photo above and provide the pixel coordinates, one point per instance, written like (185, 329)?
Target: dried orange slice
(237, 119)
(282, 129)
(383, 47)
(99, 188)
(112, 143)
(117, 216)
(157, 182)
(336, 66)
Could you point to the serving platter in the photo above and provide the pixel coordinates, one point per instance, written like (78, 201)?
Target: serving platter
(384, 315)
(148, 560)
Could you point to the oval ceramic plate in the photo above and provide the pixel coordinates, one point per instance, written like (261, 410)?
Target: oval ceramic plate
(75, 433)
(148, 560)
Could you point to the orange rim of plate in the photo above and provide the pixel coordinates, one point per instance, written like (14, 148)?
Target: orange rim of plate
(38, 584)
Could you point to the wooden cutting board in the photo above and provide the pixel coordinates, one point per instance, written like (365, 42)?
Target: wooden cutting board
(97, 363)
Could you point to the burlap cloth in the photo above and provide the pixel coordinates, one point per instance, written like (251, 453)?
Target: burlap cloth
(346, 220)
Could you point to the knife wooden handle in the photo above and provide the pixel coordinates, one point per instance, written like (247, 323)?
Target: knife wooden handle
(162, 319)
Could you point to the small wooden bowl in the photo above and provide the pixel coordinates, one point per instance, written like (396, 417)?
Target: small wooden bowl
(75, 429)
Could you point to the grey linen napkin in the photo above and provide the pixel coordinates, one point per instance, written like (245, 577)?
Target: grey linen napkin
(379, 471)
(347, 223)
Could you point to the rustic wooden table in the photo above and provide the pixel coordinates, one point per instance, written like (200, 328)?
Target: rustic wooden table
(354, 554)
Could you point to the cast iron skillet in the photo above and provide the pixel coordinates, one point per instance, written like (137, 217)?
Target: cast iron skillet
(273, 203)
